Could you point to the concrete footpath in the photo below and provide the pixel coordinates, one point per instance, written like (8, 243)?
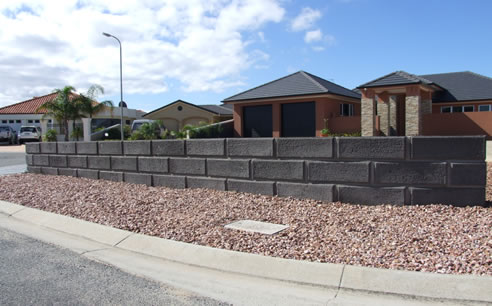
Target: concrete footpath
(241, 278)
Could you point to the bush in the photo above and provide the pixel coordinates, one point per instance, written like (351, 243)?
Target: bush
(50, 136)
(147, 131)
(77, 133)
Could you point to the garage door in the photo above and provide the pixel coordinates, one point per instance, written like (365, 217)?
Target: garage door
(257, 121)
(298, 119)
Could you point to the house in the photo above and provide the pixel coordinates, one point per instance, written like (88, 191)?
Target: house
(179, 113)
(25, 113)
(297, 105)
(400, 103)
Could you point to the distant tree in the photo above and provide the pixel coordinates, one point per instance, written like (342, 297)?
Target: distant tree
(62, 108)
(88, 104)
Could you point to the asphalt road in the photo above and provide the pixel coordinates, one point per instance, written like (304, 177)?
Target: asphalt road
(37, 273)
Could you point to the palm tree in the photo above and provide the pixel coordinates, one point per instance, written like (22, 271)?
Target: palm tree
(88, 104)
(62, 108)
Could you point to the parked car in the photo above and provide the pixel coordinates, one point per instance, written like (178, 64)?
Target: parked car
(7, 134)
(138, 123)
(29, 133)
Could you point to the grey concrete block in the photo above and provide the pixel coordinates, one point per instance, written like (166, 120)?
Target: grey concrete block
(124, 163)
(259, 187)
(410, 173)
(187, 166)
(256, 147)
(371, 147)
(87, 148)
(278, 169)
(451, 196)
(138, 178)
(206, 182)
(238, 168)
(41, 160)
(371, 195)
(305, 147)
(67, 172)
(58, 161)
(468, 174)
(32, 169)
(29, 159)
(205, 147)
(49, 171)
(111, 176)
(321, 192)
(354, 172)
(171, 181)
(66, 148)
(48, 147)
(77, 161)
(445, 148)
(90, 174)
(137, 147)
(168, 147)
(153, 164)
(110, 147)
(99, 162)
(32, 148)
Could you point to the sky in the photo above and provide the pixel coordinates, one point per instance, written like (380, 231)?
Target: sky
(205, 51)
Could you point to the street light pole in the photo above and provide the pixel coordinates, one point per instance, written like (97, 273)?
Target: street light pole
(121, 84)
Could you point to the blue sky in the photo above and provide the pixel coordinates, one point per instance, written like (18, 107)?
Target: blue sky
(205, 52)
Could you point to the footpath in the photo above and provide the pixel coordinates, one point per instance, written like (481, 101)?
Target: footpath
(241, 278)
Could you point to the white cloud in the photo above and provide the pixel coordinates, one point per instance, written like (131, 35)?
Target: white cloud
(312, 36)
(306, 19)
(198, 43)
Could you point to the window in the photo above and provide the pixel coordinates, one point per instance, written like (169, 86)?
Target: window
(29, 121)
(346, 110)
(49, 121)
(4, 121)
(446, 109)
(37, 121)
(468, 108)
(11, 121)
(484, 108)
(457, 109)
(128, 122)
(17, 121)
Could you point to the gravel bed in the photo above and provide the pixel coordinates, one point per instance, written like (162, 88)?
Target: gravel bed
(434, 238)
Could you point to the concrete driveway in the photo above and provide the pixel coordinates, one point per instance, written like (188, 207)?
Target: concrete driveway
(12, 159)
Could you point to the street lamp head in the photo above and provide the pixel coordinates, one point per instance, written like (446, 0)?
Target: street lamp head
(106, 34)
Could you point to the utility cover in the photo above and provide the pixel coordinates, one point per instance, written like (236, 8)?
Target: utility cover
(257, 227)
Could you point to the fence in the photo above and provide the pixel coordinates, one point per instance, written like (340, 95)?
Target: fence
(364, 170)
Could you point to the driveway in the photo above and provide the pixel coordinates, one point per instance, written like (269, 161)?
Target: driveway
(12, 159)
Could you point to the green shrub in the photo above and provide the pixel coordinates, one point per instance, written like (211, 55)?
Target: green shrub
(147, 131)
(77, 133)
(50, 136)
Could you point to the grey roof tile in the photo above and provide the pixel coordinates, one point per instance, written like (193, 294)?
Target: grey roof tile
(218, 109)
(397, 78)
(461, 86)
(296, 84)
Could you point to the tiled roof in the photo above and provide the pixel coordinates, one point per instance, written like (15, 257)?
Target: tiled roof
(397, 78)
(296, 84)
(461, 86)
(216, 109)
(29, 106)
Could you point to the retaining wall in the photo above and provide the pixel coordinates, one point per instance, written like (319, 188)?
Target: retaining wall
(363, 170)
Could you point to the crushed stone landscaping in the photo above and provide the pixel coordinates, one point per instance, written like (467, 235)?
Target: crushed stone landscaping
(432, 238)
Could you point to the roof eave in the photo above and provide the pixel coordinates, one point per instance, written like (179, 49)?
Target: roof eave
(289, 96)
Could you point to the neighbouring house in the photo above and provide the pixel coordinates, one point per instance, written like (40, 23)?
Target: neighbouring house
(179, 113)
(297, 105)
(24, 113)
(400, 103)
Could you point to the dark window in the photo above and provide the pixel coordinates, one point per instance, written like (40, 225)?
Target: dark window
(37, 121)
(4, 121)
(180, 108)
(127, 122)
(11, 121)
(257, 121)
(457, 109)
(446, 109)
(17, 121)
(298, 119)
(29, 121)
(468, 108)
(484, 108)
(346, 110)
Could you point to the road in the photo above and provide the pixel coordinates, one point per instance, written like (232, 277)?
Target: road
(38, 273)
(12, 159)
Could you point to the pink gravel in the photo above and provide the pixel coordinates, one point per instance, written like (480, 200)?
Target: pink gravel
(433, 238)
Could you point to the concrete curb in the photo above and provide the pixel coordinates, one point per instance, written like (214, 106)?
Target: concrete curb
(420, 285)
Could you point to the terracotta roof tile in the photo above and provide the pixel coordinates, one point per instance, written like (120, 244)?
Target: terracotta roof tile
(29, 106)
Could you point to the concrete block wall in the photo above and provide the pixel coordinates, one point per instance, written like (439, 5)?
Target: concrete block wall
(360, 170)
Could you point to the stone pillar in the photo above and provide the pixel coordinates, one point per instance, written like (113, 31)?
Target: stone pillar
(413, 112)
(383, 113)
(367, 113)
(392, 116)
(86, 122)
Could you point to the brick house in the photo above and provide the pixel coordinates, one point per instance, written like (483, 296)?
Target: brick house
(400, 103)
(297, 105)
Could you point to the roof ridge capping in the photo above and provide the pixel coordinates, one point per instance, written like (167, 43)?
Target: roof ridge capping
(405, 78)
(310, 77)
